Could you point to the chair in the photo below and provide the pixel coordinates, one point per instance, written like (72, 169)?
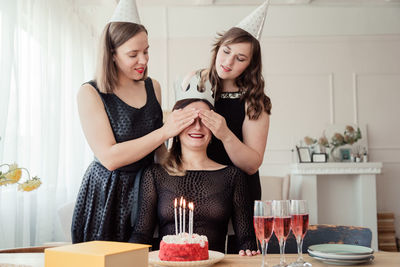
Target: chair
(275, 187)
(65, 213)
(325, 234)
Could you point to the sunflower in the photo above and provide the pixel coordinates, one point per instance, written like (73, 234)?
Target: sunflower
(30, 184)
(12, 176)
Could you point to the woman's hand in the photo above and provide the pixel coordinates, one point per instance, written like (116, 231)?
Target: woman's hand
(178, 120)
(215, 122)
(248, 252)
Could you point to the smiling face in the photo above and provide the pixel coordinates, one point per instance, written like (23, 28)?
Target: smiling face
(196, 136)
(232, 59)
(132, 56)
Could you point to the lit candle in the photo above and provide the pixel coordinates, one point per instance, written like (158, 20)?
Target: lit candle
(176, 217)
(180, 215)
(184, 216)
(190, 218)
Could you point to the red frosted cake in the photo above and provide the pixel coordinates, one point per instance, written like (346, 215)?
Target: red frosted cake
(184, 247)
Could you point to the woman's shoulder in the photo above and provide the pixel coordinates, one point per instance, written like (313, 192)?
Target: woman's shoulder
(156, 87)
(153, 170)
(88, 91)
(231, 171)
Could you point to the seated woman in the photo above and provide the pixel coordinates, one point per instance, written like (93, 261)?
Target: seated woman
(219, 192)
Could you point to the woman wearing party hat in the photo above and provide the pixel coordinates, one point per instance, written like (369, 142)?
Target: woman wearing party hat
(241, 121)
(121, 117)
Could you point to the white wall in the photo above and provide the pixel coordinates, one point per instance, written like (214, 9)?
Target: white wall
(322, 65)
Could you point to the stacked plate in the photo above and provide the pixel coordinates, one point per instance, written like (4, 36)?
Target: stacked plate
(341, 254)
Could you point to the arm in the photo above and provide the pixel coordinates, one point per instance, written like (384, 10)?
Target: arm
(249, 154)
(241, 217)
(143, 230)
(100, 137)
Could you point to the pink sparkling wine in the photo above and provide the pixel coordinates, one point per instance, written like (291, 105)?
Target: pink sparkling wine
(282, 227)
(263, 227)
(299, 224)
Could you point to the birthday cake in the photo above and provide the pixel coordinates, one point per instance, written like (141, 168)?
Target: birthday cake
(183, 247)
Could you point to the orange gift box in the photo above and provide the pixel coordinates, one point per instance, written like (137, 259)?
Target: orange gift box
(97, 254)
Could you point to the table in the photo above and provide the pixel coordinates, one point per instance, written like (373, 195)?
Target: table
(382, 259)
(340, 193)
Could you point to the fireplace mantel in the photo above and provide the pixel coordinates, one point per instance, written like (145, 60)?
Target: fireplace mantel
(338, 192)
(337, 168)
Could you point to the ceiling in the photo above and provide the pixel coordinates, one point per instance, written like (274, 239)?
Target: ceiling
(243, 2)
(257, 2)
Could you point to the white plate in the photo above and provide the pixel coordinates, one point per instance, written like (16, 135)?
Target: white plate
(213, 257)
(340, 251)
(343, 262)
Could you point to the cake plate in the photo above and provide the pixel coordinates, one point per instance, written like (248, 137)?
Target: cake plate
(214, 257)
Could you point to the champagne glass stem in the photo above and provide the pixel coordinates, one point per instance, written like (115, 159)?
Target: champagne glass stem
(299, 240)
(282, 244)
(264, 252)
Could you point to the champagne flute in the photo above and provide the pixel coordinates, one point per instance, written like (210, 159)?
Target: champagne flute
(281, 212)
(263, 225)
(299, 214)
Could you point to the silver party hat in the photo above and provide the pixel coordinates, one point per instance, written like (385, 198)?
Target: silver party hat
(126, 11)
(254, 23)
(184, 90)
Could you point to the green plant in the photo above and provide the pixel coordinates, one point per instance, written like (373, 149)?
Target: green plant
(349, 136)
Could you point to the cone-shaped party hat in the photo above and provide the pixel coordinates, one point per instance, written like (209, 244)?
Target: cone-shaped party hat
(254, 23)
(126, 11)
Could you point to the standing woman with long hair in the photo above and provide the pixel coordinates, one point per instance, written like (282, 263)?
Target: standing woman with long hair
(240, 123)
(121, 118)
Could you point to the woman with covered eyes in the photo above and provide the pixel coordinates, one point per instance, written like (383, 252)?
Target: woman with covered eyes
(121, 118)
(240, 122)
(218, 191)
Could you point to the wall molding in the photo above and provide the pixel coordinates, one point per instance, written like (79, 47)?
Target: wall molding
(332, 98)
(384, 148)
(355, 98)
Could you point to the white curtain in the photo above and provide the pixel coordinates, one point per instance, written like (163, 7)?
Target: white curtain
(46, 52)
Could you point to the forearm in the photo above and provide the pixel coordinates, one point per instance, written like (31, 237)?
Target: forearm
(117, 155)
(242, 156)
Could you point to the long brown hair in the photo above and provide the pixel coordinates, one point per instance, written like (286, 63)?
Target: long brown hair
(251, 81)
(172, 163)
(114, 35)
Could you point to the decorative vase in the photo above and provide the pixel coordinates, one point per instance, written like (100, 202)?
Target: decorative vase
(334, 154)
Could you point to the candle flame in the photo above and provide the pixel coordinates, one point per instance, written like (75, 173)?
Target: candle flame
(175, 203)
(184, 203)
(191, 206)
(180, 203)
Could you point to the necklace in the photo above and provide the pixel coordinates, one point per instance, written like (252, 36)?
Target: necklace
(231, 95)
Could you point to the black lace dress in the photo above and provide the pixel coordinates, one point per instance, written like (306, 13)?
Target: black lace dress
(103, 207)
(217, 195)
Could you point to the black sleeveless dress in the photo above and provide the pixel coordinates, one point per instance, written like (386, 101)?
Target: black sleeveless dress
(232, 108)
(105, 199)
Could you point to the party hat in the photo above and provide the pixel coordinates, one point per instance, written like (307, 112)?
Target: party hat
(194, 89)
(126, 11)
(254, 23)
